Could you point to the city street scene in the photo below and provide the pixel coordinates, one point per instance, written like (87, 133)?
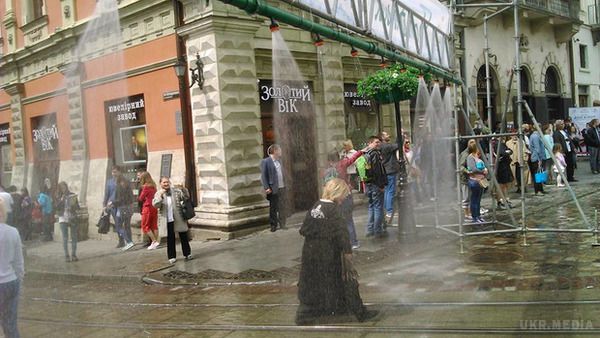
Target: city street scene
(299, 168)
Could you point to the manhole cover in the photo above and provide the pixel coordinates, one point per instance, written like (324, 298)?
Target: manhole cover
(495, 257)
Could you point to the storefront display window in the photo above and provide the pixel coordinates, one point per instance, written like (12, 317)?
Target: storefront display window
(5, 152)
(45, 140)
(127, 133)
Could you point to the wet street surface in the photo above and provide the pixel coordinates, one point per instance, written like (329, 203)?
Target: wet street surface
(422, 283)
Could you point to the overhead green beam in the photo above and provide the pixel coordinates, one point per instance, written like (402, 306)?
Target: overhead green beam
(259, 7)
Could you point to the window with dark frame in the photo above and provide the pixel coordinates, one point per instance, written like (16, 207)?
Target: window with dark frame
(583, 56)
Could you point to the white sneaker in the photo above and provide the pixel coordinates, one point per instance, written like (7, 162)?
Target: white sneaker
(355, 246)
(483, 211)
(127, 246)
(172, 260)
(153, 246)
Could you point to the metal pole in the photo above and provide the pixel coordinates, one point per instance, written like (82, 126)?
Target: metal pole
(596, 243)
(186, 118)
(521, 144)
(406, 220)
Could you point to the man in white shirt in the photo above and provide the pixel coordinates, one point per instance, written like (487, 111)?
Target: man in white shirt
(11, 273)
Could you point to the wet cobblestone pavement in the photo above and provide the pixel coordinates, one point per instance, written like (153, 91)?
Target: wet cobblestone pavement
(421, 282)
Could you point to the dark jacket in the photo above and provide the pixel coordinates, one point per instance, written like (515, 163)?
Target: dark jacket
(326, 239)
(558, 137)
(376, 174)
(390, 162)
(591, 137)
(268, 174)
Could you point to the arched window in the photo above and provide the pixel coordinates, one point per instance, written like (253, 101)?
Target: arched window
(553, 99)
(482, 95)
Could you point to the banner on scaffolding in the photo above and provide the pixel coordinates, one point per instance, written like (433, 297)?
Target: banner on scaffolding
(582, 116)
(418, 27)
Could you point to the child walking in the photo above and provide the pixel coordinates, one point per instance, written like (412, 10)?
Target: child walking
(560, 166)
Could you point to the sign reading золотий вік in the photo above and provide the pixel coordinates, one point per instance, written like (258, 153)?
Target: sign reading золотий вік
(287, 96)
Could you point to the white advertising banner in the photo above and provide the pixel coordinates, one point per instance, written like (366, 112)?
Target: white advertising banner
(581, 116)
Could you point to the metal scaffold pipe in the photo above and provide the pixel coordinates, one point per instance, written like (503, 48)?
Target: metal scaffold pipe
(260, 8)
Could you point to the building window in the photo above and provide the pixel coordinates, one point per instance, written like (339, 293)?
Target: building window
(34, 9)
(583, 56)
(584, 95)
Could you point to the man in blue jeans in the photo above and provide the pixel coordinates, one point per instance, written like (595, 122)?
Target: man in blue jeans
(11, 274)
(375, 185)
(391, 165)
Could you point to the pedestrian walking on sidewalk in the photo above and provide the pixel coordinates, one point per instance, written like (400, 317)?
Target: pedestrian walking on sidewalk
(11, 274)
(169, 201)
(149, 213)
(110, 194)
(392, 166)
(67, 207)
(328, 282)
(123, 202)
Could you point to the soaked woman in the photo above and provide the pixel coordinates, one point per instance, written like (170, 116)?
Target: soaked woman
(66, 210)
(328, 283)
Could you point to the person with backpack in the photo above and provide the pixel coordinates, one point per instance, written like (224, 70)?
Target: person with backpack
(375, 185)
(338, 168)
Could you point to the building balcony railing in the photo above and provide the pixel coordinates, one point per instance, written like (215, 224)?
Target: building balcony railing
(562, 8)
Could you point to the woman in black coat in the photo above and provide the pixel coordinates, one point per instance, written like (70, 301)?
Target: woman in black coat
(327, 284)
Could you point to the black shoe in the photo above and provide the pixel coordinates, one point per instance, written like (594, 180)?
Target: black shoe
(366, 315)
(74, 258)
(120, 245)
(273, 228)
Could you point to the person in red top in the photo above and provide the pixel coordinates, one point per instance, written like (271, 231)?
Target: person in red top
(149, 212)
(338, 168)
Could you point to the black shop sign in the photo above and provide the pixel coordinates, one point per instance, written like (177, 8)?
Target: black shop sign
(4, 134)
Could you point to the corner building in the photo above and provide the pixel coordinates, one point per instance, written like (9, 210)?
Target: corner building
(71, 116)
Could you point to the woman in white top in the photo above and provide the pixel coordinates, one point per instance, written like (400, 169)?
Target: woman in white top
(11, 273)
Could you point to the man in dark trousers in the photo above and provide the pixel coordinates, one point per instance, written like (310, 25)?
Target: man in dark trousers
(271, 176)
(376, 182)
(592, 142)
(560, 136)
(110, 194)
(390, 162)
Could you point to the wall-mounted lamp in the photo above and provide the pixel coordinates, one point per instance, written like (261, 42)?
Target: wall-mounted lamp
(274, 27)
(198, 72)
(576, 40)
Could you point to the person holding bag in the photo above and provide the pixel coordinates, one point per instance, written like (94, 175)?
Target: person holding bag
(169, 201)
(477, 173)
(538, 154)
